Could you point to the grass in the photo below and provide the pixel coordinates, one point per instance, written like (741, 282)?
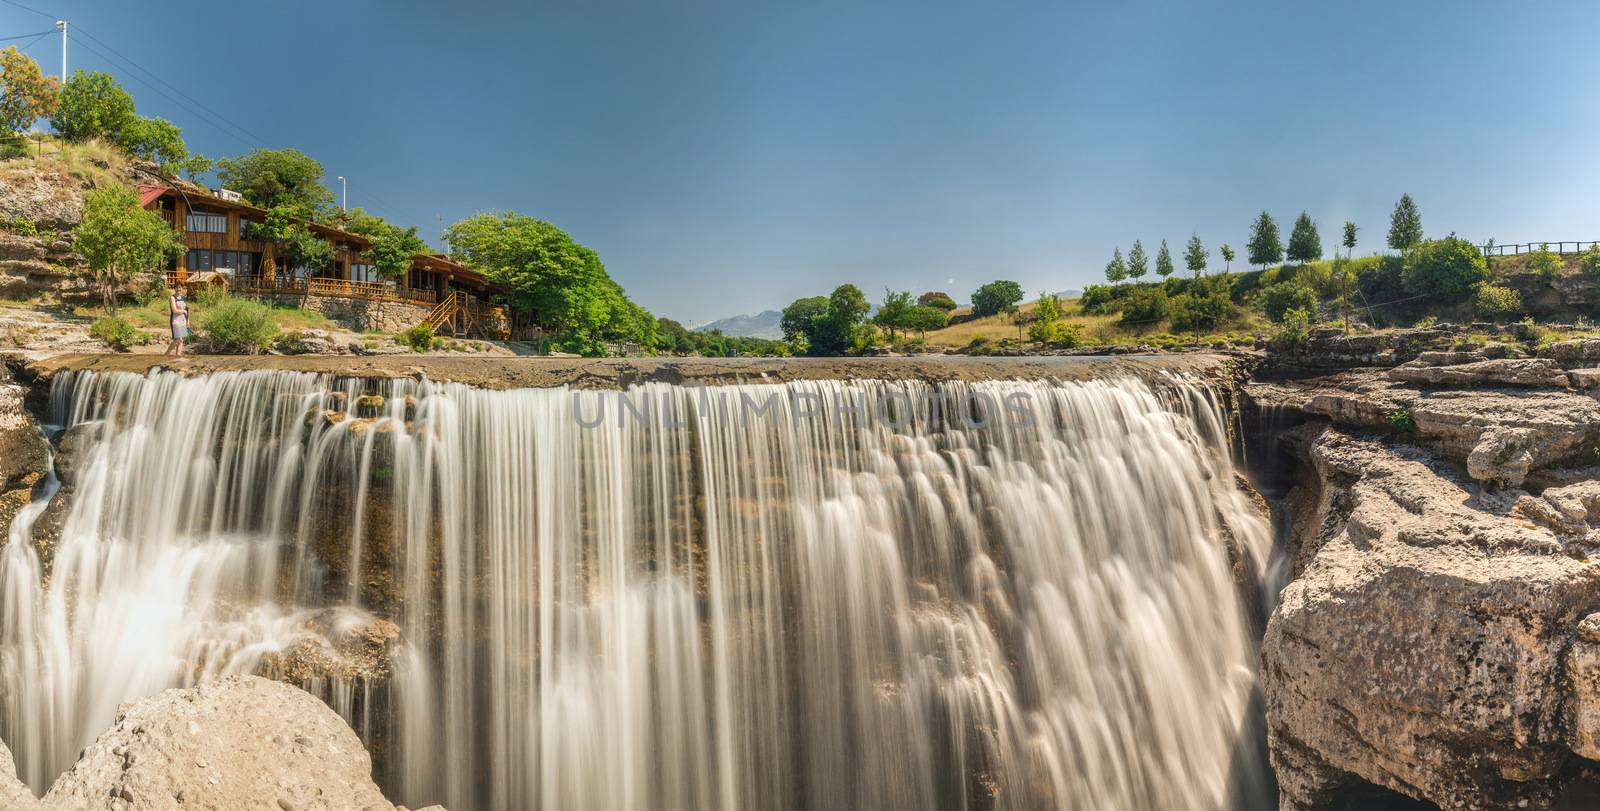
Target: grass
(94, 160)
(1099, 328)
(152, 315)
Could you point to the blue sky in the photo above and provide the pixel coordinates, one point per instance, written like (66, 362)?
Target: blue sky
(729, 157)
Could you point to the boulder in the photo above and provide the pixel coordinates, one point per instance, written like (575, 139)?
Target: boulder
(243, 742)
(1502, 456)
(1577, 350)
(1535, 372)
(1433, 644)
(14, 795)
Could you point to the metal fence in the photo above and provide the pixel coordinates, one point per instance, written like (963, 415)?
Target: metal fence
(1563, 248)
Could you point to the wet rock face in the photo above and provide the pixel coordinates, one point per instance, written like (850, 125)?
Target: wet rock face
(242, 742)
(1437, 643)
(14, 796)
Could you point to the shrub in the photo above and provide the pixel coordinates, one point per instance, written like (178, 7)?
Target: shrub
(1446, 269)
(22, 227)
(117, 333)
(1401, 420)
(1296, 327)
(1205, 308)
(1496, 303)
(1146, 305)
(1591, 259)
(1060, 334)
(1098, 298)
(1545, 262)
(1285, 296)
(419, 338)
(238, 325)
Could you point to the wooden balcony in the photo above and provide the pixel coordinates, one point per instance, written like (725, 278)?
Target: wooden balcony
(330, 288)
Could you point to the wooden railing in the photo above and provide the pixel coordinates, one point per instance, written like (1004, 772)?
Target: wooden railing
(1564, 248)
(444, 313)
(169, 215)
(330, 288)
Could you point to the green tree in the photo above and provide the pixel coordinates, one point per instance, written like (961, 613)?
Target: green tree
(392, 248)
(1349, 238)
(802, 317)
(1264, 245)
(154, 139)
(895, 312)
(92, 105)
(1116, 269)
(1545, 262)
(1046, 312)
(270, 178)
(297, 244)
(117, 238)
(1282, 297)
(1305, 244)
(1496, 303)
(1138, 265)
(934, 298)
(1227, 257)
(924, 318)
(840, 327)
(1405, 225)
(999, 296)
(559, 283)
(1194, 256)
(1163, 261)
(26, 94)
(1445, 270)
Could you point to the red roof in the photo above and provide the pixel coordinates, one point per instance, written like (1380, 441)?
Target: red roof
(149, 194)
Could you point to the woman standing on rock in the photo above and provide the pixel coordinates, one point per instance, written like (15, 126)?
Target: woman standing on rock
(178, 316)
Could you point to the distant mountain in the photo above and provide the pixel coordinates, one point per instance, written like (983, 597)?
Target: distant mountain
(761, 325)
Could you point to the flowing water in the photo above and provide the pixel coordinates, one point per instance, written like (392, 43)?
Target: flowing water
(810, 595)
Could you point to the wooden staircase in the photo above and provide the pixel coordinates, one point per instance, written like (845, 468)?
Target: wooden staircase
(444, 313)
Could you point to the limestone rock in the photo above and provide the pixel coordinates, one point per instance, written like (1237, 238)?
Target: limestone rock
(1536, 372)
(1577, 350)
(23, 449)
(240, 743)
(1502, 456)
(1433, 644)
(14, 795)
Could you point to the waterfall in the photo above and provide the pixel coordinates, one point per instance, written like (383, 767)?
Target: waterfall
(818, 595)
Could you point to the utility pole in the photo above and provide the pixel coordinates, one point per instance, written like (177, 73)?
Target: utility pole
(62, 24)
(344, 194)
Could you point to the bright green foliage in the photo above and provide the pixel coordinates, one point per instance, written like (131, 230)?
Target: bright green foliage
(1138, 265)
(560, 283)
(117, 238)
(924, 318)
(1401, 420)
(26, 94)
(1098, 298)
(1265, 248)
(1496, 303)
(1059, 334)
(672, 336)
(194, 166)
(1296, 327)
(238, 325)
(826, 325)
(273, 178)
(1206, 306)
(115, 332)
(1163, 261)
(1116, 269)
(300, 248)
(1227, 257)
(153, 139)
(1194, 256)
(1146, 305)
(1349, 237)
(92, 105)
(392, 247)
(418, 337)
(1545, 262)
(895, 313)
(1305, 244)
(1277, 300)
(1046, 312)
(934, 298)
(1000, 296)
(1445, 269)
(1405, 225)
(1591, 259)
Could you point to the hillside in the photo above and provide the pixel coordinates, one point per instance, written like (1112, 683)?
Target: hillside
(761, 325)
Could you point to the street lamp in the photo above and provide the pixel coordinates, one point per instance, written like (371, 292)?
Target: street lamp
(344, 194)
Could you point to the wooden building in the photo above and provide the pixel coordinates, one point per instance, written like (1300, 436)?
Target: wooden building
(217, 233)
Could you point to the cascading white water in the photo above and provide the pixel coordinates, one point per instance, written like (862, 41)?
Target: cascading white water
(809, 595)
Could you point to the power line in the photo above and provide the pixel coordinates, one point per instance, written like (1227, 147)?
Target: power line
(204, 115)
(34, 41)
(25, 8)
(25, 36)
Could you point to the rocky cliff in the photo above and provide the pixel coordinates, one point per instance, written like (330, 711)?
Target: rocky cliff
(1440, 637)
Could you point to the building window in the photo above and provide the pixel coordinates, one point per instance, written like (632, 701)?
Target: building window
(364, 273)
(205, 222)
(245, 226)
